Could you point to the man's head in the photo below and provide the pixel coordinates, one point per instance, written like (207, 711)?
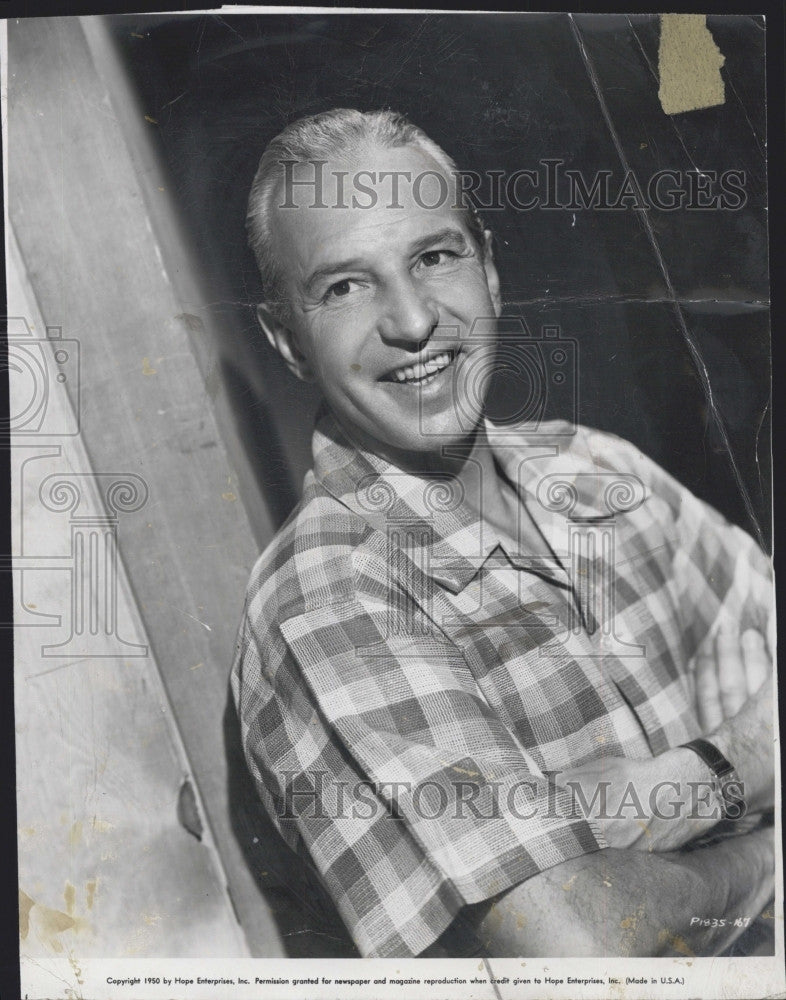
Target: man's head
(376, 269)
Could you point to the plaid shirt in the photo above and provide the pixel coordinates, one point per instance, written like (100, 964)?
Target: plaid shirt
(407, 677)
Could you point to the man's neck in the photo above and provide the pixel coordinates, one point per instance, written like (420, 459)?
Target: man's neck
(485, 488)
(471, 464)
(495, 498)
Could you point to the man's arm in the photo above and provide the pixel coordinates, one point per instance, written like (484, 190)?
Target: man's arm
(627, 903)
(669, 798)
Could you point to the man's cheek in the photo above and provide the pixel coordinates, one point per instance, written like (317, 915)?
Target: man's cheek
(472, 289)
(333, 369)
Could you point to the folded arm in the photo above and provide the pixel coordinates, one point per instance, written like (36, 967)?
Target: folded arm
(662, 803)
(627, 903)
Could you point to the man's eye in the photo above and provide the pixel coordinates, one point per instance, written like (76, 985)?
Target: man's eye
(339, 290)
(433, 258)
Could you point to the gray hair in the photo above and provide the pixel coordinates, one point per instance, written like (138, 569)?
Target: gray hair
(319, 137)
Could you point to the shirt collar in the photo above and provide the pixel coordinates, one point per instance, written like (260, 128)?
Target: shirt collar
(450, 542)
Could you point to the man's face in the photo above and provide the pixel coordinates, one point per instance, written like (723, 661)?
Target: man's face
(382, 300)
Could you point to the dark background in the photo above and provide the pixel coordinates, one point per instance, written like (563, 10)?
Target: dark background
(659, 316)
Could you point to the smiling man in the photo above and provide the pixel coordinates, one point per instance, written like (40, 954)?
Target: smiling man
(378, 299)
(474, 753)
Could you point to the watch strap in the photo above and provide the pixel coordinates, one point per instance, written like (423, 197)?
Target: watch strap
(733, 805)
(711, 756)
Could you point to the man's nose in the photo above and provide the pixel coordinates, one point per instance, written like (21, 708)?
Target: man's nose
(410, 313)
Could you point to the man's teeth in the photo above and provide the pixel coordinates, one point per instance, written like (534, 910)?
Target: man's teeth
(414, 373)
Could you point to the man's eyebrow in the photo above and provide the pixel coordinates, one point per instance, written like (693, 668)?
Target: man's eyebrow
(454, 239)
(449, 236)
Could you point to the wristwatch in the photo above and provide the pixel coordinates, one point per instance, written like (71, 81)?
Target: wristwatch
(730, 788)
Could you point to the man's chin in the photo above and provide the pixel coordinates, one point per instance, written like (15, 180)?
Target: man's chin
(426, 446)
(414, 440)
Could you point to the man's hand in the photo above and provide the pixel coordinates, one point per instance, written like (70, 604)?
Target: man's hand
(729, 669)
(618, 902)
(662, 803)
(656, 804)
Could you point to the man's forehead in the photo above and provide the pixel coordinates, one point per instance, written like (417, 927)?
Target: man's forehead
(369, 198)
(365, 174)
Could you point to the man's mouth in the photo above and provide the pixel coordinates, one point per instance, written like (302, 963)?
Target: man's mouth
(423, 372)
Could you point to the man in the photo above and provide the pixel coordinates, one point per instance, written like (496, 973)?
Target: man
(436, 709)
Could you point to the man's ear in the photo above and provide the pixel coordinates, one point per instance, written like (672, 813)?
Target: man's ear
(492, 277)
(283, 339)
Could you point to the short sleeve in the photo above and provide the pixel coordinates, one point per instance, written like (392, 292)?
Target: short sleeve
(390, 896)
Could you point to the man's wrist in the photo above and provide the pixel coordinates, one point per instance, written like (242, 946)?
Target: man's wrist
(746, 740)
(688, 802)
(728, 786)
